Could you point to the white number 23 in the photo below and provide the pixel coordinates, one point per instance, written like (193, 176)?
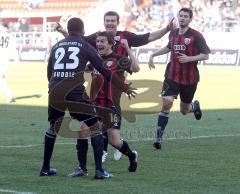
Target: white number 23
(60, 54)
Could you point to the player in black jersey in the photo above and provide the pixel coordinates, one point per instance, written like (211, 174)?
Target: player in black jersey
(65, 69)
(111, 22)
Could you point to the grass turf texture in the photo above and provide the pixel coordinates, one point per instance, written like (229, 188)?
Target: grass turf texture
(185, 165)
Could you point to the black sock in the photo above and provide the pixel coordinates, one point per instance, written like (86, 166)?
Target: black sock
(82, 149)
(97, 144)
(48, 150)
(105, 140)
(162, 122)
(127, 151)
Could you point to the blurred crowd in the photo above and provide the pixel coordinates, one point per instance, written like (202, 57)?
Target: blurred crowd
(209, 15)
(31, 4)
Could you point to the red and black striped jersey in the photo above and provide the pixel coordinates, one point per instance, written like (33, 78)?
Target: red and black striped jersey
(190, 43)
(134, 40)
(104, 93)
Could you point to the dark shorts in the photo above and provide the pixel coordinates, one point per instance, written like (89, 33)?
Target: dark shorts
(111, 118)
(186, 92)
(76, 111)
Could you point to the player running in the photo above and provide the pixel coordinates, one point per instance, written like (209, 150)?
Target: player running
(187, 47)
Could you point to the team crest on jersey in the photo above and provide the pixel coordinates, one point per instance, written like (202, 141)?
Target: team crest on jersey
(109, 63)
(187, 41)
(117, 38)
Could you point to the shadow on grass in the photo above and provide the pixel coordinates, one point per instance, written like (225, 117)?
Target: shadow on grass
(27, 97)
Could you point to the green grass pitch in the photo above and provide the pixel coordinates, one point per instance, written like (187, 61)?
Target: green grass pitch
(197, 156)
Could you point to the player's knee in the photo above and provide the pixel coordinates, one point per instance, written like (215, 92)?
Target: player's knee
(83, 133)
(115, 144)
(166, 107)
(114, 141)
(95, 129)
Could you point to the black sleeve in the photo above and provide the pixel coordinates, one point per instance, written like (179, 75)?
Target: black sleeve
(136, 40)
(91, 39)
(49, 67)
(201, 44)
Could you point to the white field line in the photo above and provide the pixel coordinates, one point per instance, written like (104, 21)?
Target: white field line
(134, 140)
(13, 191)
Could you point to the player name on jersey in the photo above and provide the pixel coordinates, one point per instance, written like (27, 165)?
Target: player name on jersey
(63, 74)
(70, 44)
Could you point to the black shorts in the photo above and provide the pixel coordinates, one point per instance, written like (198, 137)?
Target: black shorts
(110, 117)
(58, 110)
(186, 92)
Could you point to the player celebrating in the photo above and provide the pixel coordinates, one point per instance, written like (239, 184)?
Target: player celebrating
(187, 47)
(106, 95)
(111, 22)
(68, 58)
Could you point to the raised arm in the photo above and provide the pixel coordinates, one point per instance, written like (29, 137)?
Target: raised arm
(135, 64)
(60, 29)
(97, 63)
(160, 33)
(162, 51)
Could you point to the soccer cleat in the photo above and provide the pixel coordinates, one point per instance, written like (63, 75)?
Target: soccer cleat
(157, 145)
(197, 112)
(78, 172)
(159, 138)
(11, 100)
(50, 172)
(102, 174)
(133, 164)
(117, 155)
(104, 156)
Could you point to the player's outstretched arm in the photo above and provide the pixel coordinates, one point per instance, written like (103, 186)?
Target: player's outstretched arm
(60, 29)
(160, 33)
(135, 64)
(162, 51)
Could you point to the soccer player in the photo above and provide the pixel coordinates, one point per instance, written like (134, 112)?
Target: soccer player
(187, 47)
(111, 22)
(67, 61)
(5, 38)
(106, 95)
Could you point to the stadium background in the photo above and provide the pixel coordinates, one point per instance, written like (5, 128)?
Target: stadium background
(203, 156)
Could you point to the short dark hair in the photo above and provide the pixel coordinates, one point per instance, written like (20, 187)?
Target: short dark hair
(75, 25)
(112, 13)
(108, 35)
(188, 10)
